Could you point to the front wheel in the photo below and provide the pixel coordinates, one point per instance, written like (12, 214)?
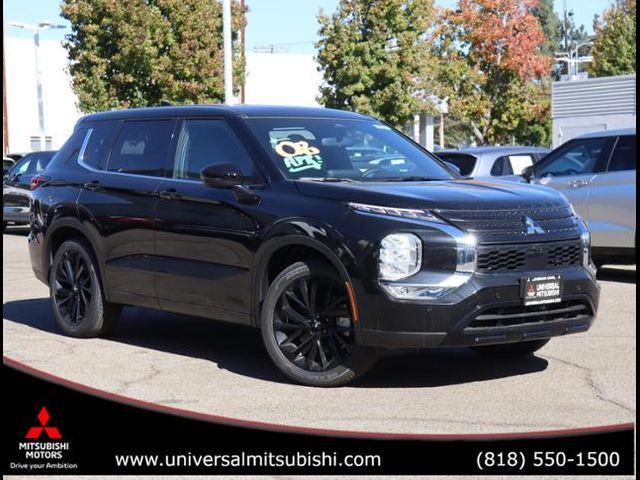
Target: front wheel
(76, 293)
(507, 350)
(308, 329)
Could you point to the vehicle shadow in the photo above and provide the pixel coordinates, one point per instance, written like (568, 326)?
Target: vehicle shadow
(613, 274)
(239, 349)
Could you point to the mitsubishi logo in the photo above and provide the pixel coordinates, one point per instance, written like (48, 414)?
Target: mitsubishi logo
(51, 432)
(531, 226)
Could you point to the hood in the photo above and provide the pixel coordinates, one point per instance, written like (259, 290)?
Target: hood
(439, 195)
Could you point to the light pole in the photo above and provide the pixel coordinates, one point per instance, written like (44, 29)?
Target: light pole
(227, 51)
(36, 29)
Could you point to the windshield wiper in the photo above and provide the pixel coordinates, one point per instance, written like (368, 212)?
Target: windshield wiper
(412, 178)
(327, 179)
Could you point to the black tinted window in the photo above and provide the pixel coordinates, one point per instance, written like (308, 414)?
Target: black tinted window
(578, 158)
(141, 148)
(97, 148)
(502, 166)
(208, 142)
(465, 163)
(39, 161)
(71, 149)
(624, 155)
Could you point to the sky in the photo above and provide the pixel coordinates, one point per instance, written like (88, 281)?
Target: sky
(288, 25)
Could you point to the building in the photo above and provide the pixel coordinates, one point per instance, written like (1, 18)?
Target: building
(583, 106)
(60, 111)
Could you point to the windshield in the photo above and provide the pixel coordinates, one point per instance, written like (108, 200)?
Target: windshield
(325, 149)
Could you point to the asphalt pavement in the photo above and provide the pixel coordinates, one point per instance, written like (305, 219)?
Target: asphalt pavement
(580, 380)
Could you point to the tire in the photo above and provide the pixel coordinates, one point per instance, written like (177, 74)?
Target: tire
(94, 316)
(290, 329)
(511, 350)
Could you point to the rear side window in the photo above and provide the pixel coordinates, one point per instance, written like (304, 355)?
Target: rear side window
(71, 149)
(512, 164)
(624, 155)
(465, 163)
(141, 148)
(99, 141)
(501, 167)
(208, 142)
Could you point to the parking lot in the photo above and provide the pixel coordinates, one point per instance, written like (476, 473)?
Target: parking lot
(576, 381)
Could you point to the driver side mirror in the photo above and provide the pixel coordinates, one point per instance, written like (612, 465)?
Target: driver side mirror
(527, 173)
(223, 175)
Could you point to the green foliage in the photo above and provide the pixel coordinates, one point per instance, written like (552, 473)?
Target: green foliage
(614, 50)
(136, 53)
(370, 53)
(551, 26)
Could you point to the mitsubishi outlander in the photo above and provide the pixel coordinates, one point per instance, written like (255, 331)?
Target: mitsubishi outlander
(330, 231)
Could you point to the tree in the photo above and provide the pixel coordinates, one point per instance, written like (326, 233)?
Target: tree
(614, 50)
(138, 53)
(370, 54)
(551, 26)
(492, 68)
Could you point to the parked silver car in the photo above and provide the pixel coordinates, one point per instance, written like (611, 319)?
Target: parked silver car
(597, 173)
(478, 162)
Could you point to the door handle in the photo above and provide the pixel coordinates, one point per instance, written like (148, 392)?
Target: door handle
(579, 183)
(170, 194)
(94, 185)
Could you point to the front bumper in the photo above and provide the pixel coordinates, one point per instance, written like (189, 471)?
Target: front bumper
(487, 310)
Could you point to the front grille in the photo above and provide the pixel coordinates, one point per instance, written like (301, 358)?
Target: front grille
(537, 256)
(520, 314)
(508, 225)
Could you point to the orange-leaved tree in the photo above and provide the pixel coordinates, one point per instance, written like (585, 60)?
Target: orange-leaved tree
(498, 85)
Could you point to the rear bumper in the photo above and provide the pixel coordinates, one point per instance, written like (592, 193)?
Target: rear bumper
(489, 311)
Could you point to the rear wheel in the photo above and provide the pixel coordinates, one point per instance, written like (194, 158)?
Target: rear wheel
(308, 329)
(76, 294)
(507, 350)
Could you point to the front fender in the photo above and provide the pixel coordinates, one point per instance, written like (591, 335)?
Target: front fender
(322, 238)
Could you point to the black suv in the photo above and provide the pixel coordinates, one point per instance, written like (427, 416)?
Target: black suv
(272, 217)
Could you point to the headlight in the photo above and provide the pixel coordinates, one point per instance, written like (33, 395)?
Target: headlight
(585, 238)
(400, 256)
(396, 212)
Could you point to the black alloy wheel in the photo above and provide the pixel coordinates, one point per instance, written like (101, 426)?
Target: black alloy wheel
(308, 327)
(313, 326)
(72, 289)
(76, 293)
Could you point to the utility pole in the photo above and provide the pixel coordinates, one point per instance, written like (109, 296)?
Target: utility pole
(36, 28)
(565, 28)
(242, 50)
(5, 119)
(228, 52)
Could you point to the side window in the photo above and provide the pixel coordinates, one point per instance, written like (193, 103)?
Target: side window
(580, 157)
(71, 149)
(501, 167)
(141, 148)
(624, 155)
(208, 142)
(97, 147)
(22, 166)
(517, 163)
